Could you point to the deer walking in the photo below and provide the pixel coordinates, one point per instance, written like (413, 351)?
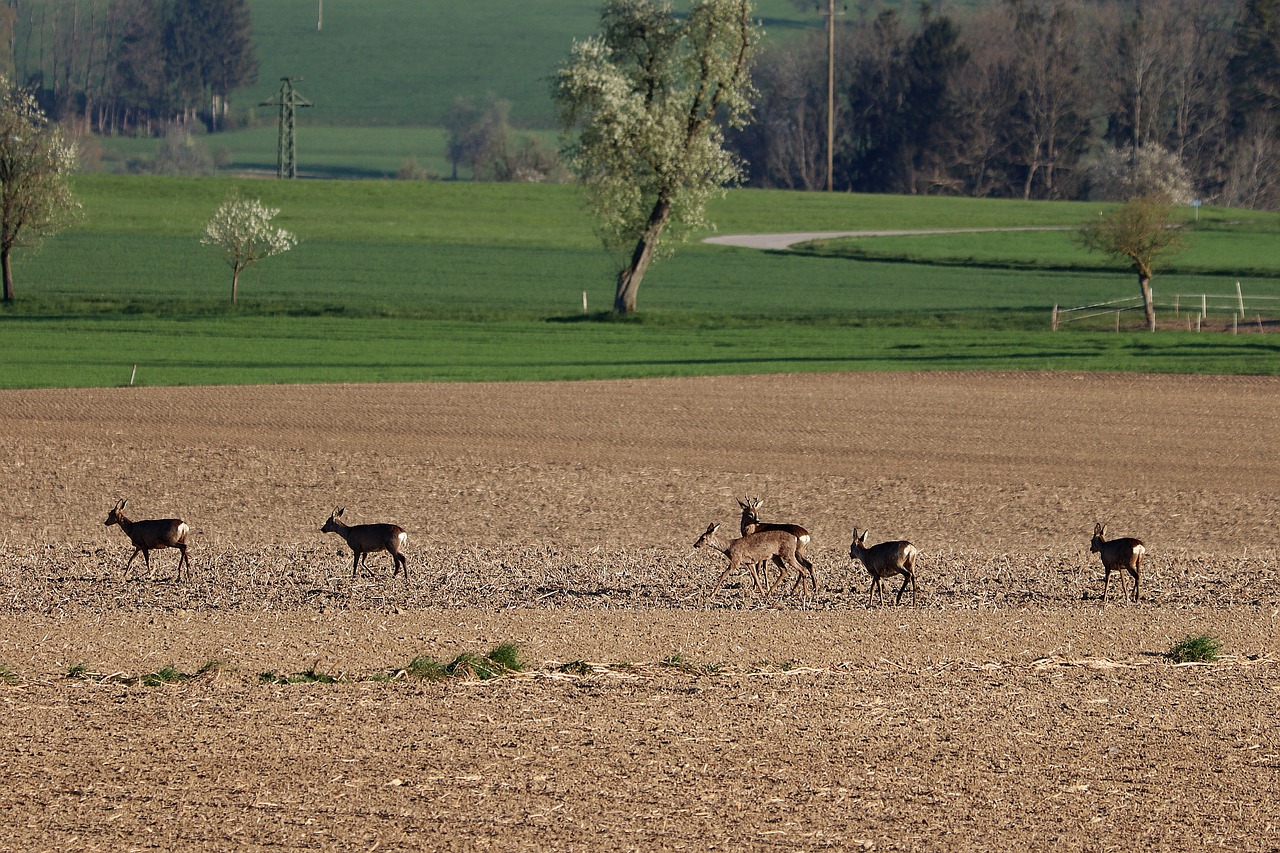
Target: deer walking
(365, 539)
(151, 534)
(884, 561)
(1118, 555)
(749, 550)
(751, 523)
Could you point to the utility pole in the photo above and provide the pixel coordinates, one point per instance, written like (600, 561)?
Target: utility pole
(287, 100)
(831, 85)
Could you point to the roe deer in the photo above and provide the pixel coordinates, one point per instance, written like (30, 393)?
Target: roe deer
(751, 523)
(150, 534)
(365, 539)
(884, 561)
(1118, 555)
(751, 549)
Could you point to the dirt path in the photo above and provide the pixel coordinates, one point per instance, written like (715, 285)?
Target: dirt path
(1009, 710)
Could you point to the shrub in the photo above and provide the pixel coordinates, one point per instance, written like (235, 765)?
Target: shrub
(1201, 649)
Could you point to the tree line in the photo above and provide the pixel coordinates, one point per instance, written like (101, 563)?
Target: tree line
(124, 66)
(1032, 99)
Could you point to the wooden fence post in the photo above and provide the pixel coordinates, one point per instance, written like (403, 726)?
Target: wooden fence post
(1055, 317)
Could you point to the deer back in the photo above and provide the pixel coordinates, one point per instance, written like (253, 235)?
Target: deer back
(751, 522)
(887, 558)
(149, 533)
(762, 545)
(1124, 553)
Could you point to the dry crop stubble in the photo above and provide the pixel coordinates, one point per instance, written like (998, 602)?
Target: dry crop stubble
(1011, 709)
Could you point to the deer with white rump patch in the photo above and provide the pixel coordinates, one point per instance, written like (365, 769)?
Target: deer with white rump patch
(750, 549)
(884, 561)
(751, 523)
(365, 539)
(1118, 555)
(152, 534)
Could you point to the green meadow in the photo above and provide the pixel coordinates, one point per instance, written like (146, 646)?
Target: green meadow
(442, 281)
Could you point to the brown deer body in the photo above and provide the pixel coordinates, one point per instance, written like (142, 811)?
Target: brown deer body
(751, 549)
(884, 561)
(1118, 555)
(151, 534)
(751, 523)
(365, 539)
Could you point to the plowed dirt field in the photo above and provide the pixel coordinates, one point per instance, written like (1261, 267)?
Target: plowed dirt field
(269, 702)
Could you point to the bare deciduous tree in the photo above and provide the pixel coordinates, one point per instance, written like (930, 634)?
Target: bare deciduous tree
(1140, 231)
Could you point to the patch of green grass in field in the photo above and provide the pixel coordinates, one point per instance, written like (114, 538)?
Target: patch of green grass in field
(1241, 249)
(1203, 648)
(269, 350)
(457, 282)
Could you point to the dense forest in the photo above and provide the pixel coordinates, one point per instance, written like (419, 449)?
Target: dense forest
(125, 66)
(1034, 99)
(1031, 99)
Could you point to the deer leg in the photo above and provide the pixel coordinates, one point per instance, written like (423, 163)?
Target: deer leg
(130, 563)
(782, 575)
(901, 590)
(402, 564)
(355, 563)
(1106, 584)
(146, 556)
(719, 583)
(182, 558)
(1137, 578)
(913, 589)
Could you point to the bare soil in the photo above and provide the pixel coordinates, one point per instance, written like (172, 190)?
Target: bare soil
(1011, 709)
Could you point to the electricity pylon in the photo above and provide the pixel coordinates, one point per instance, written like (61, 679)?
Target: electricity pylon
(287, 100)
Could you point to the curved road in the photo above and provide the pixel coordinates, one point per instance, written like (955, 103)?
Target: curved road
(786, 241)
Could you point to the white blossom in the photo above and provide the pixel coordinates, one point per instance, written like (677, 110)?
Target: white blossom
(242, 228)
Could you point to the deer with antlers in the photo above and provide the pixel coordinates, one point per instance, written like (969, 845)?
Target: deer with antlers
(365, 539)
(151, 534)
(751, 523)
(1118, 555)
(761, 546)
(884, 561)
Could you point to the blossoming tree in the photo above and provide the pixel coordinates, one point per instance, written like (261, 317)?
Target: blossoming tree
(242, 228)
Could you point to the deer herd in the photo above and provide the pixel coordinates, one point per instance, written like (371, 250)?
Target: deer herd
(762, 547)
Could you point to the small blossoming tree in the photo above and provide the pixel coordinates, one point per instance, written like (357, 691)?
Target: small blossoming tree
(241, 227)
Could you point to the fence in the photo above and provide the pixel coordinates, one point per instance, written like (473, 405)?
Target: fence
(1197, 310)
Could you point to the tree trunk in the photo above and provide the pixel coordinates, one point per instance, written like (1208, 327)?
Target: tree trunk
(1144, 282)
(235, 284)
(624, 301)
(7, 266)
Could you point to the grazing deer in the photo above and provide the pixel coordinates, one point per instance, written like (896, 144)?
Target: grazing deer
(751, 549)
(1118, 555)
(884, 561)
(150, 534)
(751, 523)
(365, 539)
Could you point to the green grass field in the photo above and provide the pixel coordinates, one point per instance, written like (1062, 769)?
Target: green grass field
(406, 281)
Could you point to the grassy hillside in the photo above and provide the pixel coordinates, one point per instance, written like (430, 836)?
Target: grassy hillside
(402, 62)
(429, 281)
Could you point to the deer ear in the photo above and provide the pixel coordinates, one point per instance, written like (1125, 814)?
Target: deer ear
(339, 512)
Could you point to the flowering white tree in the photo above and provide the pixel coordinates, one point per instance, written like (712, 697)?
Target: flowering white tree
(241, 227)
(35, 164)
(643, 106)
